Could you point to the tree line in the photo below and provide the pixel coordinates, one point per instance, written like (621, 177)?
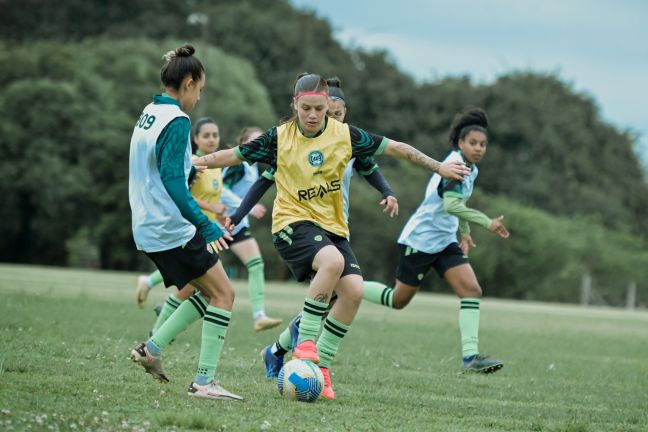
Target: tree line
(74, 79)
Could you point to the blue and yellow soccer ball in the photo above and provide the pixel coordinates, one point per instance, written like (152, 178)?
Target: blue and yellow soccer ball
(300, 380)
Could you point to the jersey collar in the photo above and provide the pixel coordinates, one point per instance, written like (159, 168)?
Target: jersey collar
(321, 131)
(164, 98)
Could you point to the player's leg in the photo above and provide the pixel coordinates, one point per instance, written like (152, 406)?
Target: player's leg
(309, 252)
(171, 304)
(413, 265)
(145, 284)
(460, 275)
(218, 287)
(248, 252)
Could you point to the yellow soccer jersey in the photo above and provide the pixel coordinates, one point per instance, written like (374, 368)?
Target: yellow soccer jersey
(309, 177)
(208, 187)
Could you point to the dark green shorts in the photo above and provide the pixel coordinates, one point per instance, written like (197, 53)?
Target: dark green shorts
(413, 265)
(182, 264)
(299, 242)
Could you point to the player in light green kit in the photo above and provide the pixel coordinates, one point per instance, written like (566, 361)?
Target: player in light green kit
(429, 240)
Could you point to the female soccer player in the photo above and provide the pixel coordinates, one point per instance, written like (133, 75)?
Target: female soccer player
(308, 155)
(273, 355)
(429, 240)
(213, 198)
(171, 230)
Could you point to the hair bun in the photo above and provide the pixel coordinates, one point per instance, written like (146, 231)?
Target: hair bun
(185, 50)
(334, 82)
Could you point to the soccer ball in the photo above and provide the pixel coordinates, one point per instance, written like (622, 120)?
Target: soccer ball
(300, 380)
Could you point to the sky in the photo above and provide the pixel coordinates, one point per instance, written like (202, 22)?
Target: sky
(600, 47)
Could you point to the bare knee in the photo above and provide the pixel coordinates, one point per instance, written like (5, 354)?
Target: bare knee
(333, 266)
(472, 291)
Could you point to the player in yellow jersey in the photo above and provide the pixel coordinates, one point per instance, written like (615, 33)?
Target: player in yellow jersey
(308, 155)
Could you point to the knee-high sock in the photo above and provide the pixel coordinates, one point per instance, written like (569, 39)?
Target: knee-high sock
(256, 285)
(214, 330)
(154, 279)
(469, 326)
(170, 305)
(311, 319)
(329, 340)
(378, 293)
(186, 314)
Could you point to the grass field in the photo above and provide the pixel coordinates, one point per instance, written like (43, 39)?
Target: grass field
(65, 337)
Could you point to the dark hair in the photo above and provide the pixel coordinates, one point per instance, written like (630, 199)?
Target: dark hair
(245, 133)
(336, 93)
(202, 121)
(306, 82)
(468, 120)
(180, 62)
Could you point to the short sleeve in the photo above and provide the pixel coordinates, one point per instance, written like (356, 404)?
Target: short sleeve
(364, 143)
(365, 165)
(262, 149)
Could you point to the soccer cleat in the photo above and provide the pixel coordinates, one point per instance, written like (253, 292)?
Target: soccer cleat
(152, 364)
(307, 350)
(294, 330)
(212, 391)
(142, 290)
(273, 363)
(327, 391)
(158, 310)
(264, 322)
(481, 364)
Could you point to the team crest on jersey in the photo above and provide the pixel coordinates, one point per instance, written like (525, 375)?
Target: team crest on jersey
(316, 158)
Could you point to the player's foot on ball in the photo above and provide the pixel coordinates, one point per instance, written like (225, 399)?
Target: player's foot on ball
(273, 363)
(142, 290)
(307, 350)
(294, 329)
(265, 323)
(481, 364)
(212, 391)
(151, 364)
(327, 391)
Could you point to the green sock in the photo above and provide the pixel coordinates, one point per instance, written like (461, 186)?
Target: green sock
(285, 339)
(311, 319)
(329, 341)
(170, 305)
(378, 293)
(187, 313)
(154, 279)
(214, 330)
(469, 326)
(256, 285)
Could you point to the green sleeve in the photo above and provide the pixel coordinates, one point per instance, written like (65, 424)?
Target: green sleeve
(456, 207)
(464, 227)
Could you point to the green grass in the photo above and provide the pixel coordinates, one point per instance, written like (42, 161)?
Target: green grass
(65, 337)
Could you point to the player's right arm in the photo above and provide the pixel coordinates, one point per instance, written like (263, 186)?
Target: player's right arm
(253, 196)
(170, 152)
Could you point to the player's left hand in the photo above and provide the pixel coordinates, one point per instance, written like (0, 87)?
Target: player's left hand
(391, 205)
(466, 244)
(220, 244)
(258, 211)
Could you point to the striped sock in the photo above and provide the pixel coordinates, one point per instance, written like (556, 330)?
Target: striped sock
(378, 293)
(170, 305)
(469, 326)
(186, 314)
(329, 341)
(154, 279)
(214, 330)
(311, 319)
(256, 285)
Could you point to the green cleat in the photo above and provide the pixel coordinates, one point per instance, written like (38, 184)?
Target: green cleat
(481, 364)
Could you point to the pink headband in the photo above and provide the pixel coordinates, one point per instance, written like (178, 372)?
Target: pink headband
(300, 94)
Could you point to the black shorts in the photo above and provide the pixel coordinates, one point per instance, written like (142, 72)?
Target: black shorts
(244, 234)
(413, 265)
(182, 264)
(299, 242)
